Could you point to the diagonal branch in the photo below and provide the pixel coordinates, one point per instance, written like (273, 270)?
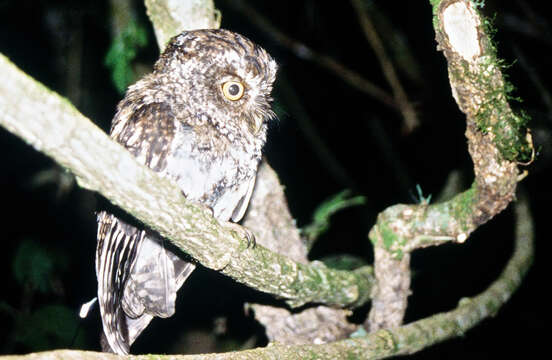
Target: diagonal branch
(53, 126)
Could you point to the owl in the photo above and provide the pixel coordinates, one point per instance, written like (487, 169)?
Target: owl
(200, 119)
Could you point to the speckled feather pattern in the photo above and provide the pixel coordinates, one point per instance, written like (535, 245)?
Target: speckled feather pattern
(178, 122)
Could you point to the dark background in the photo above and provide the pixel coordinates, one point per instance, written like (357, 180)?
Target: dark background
(48, 223)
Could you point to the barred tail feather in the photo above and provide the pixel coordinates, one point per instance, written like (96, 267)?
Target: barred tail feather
(137, 279)
(116, 251)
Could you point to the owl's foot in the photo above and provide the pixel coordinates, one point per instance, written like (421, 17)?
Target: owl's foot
(242, 232)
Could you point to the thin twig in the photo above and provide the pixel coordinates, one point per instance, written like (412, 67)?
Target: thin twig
(407, 110)
(535, 78)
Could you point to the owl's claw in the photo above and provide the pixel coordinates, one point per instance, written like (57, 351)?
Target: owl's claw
(242, 232)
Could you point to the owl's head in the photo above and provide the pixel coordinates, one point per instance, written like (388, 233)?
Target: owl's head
(223, 78)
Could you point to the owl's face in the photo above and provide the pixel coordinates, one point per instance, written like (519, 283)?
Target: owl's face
(222, 78)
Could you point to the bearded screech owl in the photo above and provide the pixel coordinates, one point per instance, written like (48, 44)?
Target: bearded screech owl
(199, 119)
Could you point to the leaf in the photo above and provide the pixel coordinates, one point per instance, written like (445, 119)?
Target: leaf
(122, 52)
(322, 214)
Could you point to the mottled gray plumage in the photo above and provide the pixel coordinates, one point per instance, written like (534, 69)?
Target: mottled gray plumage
(199, 119)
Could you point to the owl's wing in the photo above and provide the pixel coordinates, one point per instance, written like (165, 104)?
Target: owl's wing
(137, 276)
(117, 247)
(151, 289)
(147, 132)
(137, 279)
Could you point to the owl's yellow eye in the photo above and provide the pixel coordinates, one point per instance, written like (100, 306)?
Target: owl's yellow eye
(233, 90)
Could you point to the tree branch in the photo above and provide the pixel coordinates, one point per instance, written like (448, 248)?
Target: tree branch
(495, 141)
(407, 110)
(269, 218)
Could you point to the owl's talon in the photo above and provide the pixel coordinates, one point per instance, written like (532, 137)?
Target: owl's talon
(242, 232)
(250, 237)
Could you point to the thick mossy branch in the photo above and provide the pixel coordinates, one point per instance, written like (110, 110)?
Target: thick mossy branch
(381, 344)
(496, 140)
(462, 38)
(403, 228)
(476, 77)
(53, 126)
